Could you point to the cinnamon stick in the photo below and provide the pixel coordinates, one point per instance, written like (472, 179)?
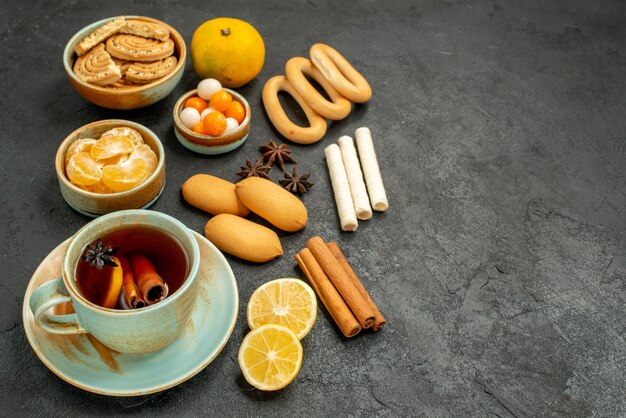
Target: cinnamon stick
(129, 286)
(363, 312)
(379, 319)
(335, 305)
(151, 286)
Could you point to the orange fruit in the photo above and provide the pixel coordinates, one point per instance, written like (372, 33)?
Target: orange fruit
(111, 146)
(82, 170)
(99, 187)
(229, 50)
(125, 131)
(236, 111)
(145, 153)
(110, 289)
(126, 175)
(214, 123)
(197, 103)
(80, 145)
(221, 100)
(198, 128)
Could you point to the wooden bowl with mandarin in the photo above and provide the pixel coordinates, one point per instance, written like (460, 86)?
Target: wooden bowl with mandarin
(125, 62)
(211, 119)
(110, 165)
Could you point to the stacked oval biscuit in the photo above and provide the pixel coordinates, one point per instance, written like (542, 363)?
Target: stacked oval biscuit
(229, 230)
(342, 83)
(125, 53)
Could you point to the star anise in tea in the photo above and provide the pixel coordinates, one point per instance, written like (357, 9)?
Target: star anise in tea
(295, 183)
(276, 153)
(97, 255)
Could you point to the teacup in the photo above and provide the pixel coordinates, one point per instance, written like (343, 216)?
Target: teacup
(127, 331)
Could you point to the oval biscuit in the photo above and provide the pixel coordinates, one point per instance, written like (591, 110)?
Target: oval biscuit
(213, 195)
(243, 238)
(272, 203)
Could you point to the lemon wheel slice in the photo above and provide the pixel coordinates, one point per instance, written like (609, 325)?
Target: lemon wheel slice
(287, 302)
(270, 357)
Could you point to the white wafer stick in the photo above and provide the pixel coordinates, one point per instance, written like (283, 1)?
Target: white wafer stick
(355, 178)
(341, 188)
(371, 171)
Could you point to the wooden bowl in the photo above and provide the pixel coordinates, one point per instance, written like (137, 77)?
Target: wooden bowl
(131, 97)
(207, 144)
(96, 204)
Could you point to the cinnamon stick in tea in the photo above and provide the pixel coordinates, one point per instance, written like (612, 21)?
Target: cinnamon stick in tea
(363, 312)
(379, 320)
(129, 286)
(151, 286)
(335, 305)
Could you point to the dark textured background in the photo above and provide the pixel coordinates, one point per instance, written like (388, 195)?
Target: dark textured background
(500, 265)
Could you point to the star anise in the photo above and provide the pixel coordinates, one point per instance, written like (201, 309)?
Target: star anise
(97, 256)
(295, 183)
(258, 169)
(276, 153)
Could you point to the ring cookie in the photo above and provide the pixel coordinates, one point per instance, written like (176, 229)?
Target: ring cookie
(137, 48)
(97, 67)
(147, 72)
(145, 29)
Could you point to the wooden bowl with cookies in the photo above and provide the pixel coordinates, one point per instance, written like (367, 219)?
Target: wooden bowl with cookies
(125, 62)
(110, 165)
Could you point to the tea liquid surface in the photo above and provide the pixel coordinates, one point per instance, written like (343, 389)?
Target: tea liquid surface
(164, 251)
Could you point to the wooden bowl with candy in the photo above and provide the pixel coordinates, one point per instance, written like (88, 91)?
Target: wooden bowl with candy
(125, 62)
(211, 119)
(110, 165)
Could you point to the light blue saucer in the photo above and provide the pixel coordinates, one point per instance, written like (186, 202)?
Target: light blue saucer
(84, 362)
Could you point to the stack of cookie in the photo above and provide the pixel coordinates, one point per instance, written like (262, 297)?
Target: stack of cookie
(125, 53)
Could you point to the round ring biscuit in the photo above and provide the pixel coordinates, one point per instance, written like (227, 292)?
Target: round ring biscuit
(280, 120)
(336, 109)
(340, 73)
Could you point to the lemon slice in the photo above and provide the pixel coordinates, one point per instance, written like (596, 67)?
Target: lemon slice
(270, 357)
(287, 302)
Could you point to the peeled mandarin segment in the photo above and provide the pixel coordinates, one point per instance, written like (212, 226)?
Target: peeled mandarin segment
(125, 176)
(80, 145)
(144, 152)
(287, 302)
(111, 146)
(134, 135)
(82, 170)
(99, 187)
(270, 357)
(111, 290)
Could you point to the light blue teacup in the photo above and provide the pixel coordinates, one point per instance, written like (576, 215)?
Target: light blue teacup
(127, 331)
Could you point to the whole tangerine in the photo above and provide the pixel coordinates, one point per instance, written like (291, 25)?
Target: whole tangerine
(229, 50)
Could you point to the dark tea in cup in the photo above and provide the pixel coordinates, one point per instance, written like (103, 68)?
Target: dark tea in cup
(131, 268)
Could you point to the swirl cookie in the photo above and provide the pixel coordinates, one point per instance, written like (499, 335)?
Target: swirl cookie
(97, 67)
(99, 35)
(146, 30)
(137, 48)
(147, 72)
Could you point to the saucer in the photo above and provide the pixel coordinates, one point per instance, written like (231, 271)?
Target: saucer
(84, 362)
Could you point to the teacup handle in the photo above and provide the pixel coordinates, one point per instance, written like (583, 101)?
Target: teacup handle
(45, 297)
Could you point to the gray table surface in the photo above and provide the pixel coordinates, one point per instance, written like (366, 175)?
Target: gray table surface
(500, 264)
